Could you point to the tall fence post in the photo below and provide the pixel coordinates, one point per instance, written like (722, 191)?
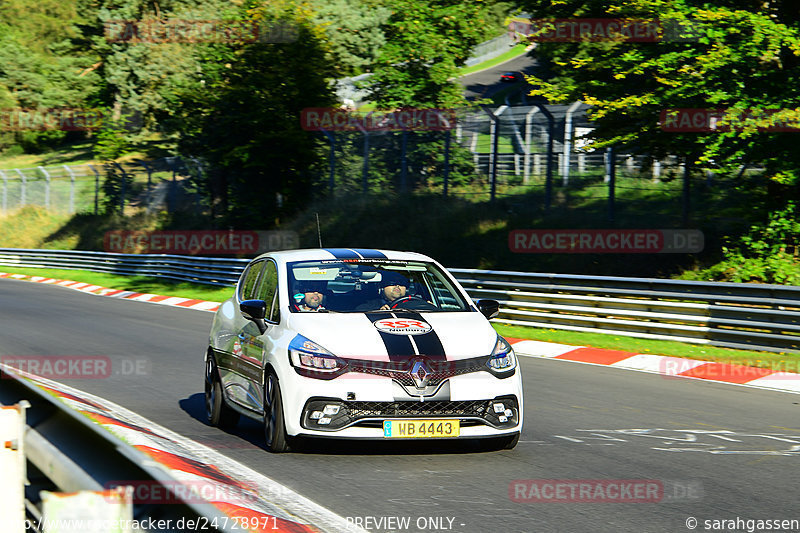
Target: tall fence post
(122, 188)
(403, 161)
(494, 135)
(96, 187)
(687, 166)
(23, 188)
(5, 191)
(611, 172)
(526, 165)
(365, 166)
(548, 183)
(46, 187)
(446, 176)
(71, 188)
(331, 160)
(568, 141)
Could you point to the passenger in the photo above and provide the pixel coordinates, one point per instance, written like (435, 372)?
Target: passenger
(310, 296)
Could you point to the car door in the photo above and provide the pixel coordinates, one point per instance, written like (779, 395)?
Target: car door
(255, 345)
(231, 364)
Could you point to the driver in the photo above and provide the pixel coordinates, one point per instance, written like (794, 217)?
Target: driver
(392, 286)
(310, 296)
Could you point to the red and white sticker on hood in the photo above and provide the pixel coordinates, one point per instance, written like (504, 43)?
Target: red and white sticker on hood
(402, 326)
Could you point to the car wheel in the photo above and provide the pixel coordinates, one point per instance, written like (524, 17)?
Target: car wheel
(277, 440)
(218, 413)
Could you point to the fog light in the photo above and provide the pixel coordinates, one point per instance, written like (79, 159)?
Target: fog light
(499, 408)
(331, 410)
(315, 415)
(324, 421)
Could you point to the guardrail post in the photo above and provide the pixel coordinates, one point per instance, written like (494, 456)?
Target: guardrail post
(12, 465)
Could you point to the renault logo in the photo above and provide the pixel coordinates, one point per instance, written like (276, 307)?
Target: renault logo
(420, 372)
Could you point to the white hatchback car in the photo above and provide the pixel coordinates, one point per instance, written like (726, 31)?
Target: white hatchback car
(361, 344)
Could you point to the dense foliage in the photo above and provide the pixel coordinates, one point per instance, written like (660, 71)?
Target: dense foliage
(739, 56)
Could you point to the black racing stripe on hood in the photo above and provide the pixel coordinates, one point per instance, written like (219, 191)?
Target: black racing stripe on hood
(369, 254)
(429, 343)
(398, 347)
(343, 253)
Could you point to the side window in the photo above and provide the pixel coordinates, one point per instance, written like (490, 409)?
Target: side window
(267, 288)
(248, 285)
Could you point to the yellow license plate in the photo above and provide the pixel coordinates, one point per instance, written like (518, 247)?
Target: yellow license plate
(420, 429)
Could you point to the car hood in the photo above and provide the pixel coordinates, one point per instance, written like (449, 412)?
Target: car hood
(382, 336)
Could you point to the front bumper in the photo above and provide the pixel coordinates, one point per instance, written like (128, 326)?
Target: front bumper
(333, 415)
(355, 406)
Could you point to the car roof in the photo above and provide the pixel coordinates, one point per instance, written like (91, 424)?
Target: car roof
(312, 254)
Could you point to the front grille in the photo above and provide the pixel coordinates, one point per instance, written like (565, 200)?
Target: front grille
(416, 409)
(400, 371)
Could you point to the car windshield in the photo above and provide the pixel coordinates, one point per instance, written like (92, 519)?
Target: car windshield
(358, 286)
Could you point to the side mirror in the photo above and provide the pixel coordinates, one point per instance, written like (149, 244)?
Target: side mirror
(255, 310)
(489, 308)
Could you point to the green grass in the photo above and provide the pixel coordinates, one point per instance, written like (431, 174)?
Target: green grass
(513, 52)
(142, 284)
(776, 361)
(77, 153)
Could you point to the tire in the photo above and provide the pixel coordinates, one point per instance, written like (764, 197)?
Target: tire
(275, 437)
(218, 414)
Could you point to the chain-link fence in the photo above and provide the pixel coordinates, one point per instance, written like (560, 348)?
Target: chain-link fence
(158, 185)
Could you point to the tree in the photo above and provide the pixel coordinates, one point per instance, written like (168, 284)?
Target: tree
(740, 56)
(426, 43)
(240, 116)
(354, 29)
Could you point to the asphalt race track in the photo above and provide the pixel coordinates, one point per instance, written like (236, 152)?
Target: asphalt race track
(716, 451)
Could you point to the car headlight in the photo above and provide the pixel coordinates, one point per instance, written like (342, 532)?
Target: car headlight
(310, 356)
(502, 360)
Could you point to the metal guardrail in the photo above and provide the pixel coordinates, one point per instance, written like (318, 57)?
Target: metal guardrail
(206, 270)
(66, 452)
(732, 315)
